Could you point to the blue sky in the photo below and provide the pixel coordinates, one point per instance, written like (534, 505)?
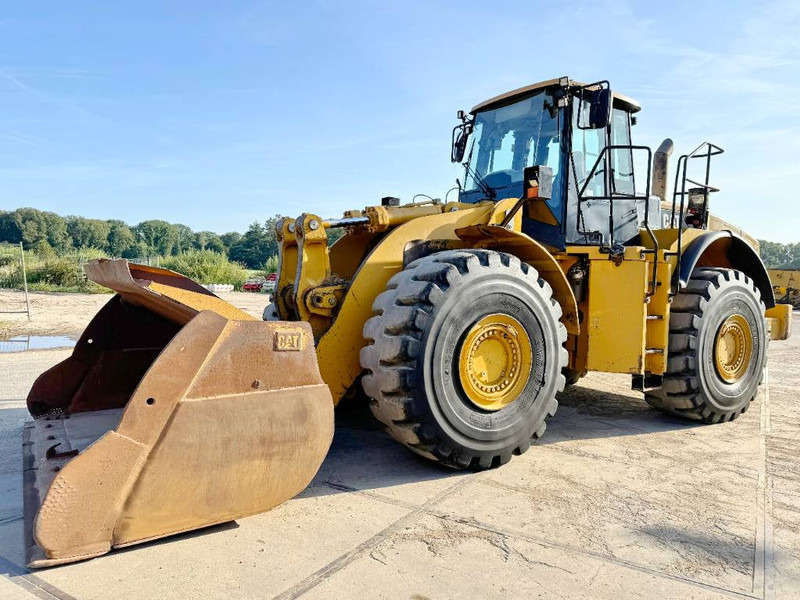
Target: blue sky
(216, 114)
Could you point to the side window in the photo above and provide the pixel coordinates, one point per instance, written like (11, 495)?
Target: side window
(622, 160)
(587, 144)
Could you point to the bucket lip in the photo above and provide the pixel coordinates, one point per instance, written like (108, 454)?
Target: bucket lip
(135, 275)
(164, 292)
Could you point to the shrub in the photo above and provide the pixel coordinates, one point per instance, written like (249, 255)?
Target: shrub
(61, 275)
(207, 266)
(271, 266)
(57, 272)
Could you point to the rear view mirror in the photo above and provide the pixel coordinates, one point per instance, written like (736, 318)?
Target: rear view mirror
(460, 138)
(594, 111)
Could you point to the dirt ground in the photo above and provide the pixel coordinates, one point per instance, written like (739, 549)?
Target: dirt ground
(617, 501)
(68, 314)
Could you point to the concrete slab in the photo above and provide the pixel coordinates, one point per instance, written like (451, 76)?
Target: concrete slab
(363, 457)
(12, 591)
(436, 558)
(260, 556)
(617, 502)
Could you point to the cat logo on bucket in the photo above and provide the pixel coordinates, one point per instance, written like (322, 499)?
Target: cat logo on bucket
(288, 341)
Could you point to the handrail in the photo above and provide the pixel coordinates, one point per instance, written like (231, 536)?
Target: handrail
(613, 196)
(709, 150)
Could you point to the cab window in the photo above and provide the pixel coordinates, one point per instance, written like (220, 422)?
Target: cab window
(621, 158)
(587, 145)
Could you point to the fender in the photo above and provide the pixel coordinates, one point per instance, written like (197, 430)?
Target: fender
(724, 249)
(532, 252)
(338, 348)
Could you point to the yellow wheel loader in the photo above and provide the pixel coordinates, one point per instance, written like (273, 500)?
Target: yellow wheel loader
(460, 321)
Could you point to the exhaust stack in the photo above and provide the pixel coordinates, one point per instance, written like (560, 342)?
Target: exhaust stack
(660, 169)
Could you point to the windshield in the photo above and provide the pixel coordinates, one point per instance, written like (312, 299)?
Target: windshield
(506, 140)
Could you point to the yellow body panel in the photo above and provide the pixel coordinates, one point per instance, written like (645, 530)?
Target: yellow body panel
(338, 349)
(287, 267)
(785, 278)
(313, 269)
(535, 254)
(779, 319)
(616, 317)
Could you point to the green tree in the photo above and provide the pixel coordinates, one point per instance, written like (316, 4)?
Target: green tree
(138, 249)
(29, 226)
(9, 228)
(776, 255)
(208, 240)
(184, 238)
(88, 233)
(334, 235)
(229, 239)
(255, 246)
(159, 236)
(120, 237)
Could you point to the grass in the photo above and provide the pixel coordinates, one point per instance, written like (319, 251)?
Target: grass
(65, 273)
(206, 266)
(88, 287)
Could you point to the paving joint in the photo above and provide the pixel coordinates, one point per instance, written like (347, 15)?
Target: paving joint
(427, 509)
(23, 578)
(345, 559)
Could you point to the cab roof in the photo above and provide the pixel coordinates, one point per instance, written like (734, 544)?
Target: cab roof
(620, 101)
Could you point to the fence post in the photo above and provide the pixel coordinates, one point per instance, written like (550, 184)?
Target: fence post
(24, 280)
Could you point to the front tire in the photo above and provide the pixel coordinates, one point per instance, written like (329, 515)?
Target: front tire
(717, 348)
(464, 357)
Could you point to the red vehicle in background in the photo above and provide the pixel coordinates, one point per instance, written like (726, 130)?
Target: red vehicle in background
(253, 285)
(261, 284)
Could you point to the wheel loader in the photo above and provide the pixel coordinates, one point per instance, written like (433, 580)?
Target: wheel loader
(459, 321)
(786, 285)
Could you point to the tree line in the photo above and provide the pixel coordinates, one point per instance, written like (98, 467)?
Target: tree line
(49, 234)
(780, 256)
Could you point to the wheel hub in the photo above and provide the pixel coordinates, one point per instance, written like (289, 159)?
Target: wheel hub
(495, 361)
(733, 348)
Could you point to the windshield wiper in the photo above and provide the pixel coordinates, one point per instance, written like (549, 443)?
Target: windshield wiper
(481, 182)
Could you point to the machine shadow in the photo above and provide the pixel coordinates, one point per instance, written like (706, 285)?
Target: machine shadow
(363, 457)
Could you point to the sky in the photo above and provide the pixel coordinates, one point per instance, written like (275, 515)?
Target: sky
(218, 114)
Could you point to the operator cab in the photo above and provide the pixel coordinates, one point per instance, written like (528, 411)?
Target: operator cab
(582, 135)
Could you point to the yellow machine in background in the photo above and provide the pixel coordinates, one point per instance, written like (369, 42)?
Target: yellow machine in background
(786, 285)
(460, 321)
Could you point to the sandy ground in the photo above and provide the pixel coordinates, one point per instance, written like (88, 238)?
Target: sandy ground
(68, 314)
(617, 501)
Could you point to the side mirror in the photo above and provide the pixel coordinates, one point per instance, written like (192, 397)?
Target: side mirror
(595, 106)
(460, 138)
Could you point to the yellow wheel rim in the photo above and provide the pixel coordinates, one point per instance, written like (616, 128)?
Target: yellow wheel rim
(733, 348)
(495, 361)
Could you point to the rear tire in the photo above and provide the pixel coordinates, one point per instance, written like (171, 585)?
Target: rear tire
(703, 382)
(415, 355)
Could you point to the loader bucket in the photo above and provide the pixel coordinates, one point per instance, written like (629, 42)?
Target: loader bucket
(175, 411)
